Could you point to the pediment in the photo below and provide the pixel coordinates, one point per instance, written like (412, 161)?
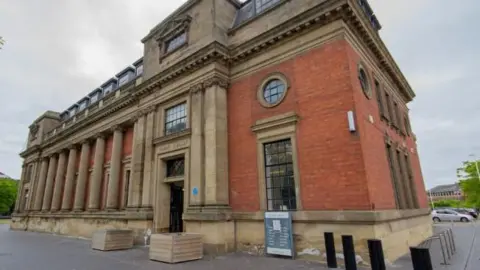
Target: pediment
(173, 26)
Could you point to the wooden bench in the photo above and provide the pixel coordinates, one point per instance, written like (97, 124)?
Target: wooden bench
(176, 247)
(112, 239)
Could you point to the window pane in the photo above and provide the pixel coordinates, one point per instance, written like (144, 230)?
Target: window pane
(176, 167)
(176, 42)
(279, 180)
(176, 119)
(273, 91)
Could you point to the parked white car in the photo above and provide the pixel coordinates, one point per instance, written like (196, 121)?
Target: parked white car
(449, 215)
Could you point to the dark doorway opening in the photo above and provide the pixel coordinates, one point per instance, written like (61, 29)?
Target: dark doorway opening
(176, 207)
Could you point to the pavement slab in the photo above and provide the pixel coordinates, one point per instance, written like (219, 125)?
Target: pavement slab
(21, 250)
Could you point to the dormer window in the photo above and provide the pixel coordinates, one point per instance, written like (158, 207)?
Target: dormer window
(71, 112)
(108, 89)
(262, 5)
(176, 42)
(82, 106)
(94, 98)
(123, 80)
(139, 70)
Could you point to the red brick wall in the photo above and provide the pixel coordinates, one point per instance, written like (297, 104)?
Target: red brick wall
(329, 156)
(373, 142)
(127, 142)
(92, 155)
(108, 148)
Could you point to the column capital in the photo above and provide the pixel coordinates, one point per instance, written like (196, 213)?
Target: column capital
(86, 141)
(148, 110)
(216, 81)
(73, 146)
(100, 135)
(117, 127)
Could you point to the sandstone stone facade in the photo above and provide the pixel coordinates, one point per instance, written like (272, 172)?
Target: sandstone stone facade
(221, 84)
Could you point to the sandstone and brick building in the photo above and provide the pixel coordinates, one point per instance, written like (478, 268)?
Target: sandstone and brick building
(236, 109)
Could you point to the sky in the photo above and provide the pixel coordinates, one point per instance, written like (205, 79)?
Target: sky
(56, 52)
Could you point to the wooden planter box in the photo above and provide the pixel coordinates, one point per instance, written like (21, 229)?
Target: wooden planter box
(112, 239)
(176, 247)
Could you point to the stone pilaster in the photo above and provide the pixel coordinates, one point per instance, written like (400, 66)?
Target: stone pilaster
(59, 182)
(69, 179)
(216, 152)
(47, 197)
(79, 203)
(135, 185)
(40, 186)
(97, 174)
(115, 169)
(147, 194)
(197, 150)
(18, 200)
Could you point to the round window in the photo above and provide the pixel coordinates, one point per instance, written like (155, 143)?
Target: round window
(273, 91)
(362, 76)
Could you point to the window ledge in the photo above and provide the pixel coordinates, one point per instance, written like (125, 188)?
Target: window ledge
(173, 136)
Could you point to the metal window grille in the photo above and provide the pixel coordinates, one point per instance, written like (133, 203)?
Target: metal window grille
(176, 119)
(176, 167)
(279, 176)
(273, 91)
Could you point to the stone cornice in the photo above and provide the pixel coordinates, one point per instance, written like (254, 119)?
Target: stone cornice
(356, 19)
(208, 54)
(322, 14)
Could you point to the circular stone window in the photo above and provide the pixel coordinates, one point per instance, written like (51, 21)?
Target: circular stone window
(363, 78)
(273, 90)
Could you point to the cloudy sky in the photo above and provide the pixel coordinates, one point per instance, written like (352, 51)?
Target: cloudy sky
(58, 51)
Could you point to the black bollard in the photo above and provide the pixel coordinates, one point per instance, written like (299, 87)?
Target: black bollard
(349, 252)
(330, 249)
(377, 260)
(421, 259)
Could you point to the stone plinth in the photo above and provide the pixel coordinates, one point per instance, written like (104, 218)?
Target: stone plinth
(112, 239)
(176, 247)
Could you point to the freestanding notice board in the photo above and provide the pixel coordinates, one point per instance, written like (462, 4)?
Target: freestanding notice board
(279, 234)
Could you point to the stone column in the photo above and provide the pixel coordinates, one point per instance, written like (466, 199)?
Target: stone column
(18, 200)
(69, 179)
(148, 187)
(79, 203)
(97, 174)
(138, 151)
(47, 197)
(59, 182)
(197, 150)
(40, 187)
(115, 169)
(216, 151)
(33, 185)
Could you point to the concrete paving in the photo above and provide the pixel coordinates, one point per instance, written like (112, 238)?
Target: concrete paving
(467, 253)
(27, 250)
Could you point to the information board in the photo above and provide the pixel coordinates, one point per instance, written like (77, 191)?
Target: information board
(279, 234)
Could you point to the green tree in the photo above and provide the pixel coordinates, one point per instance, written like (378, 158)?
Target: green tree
(8, 195)
(2, 41)
(469, 182)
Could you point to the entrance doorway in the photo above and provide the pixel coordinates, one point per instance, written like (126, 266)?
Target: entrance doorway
(176, 207)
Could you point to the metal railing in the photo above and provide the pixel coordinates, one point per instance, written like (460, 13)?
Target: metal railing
(447, 244)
